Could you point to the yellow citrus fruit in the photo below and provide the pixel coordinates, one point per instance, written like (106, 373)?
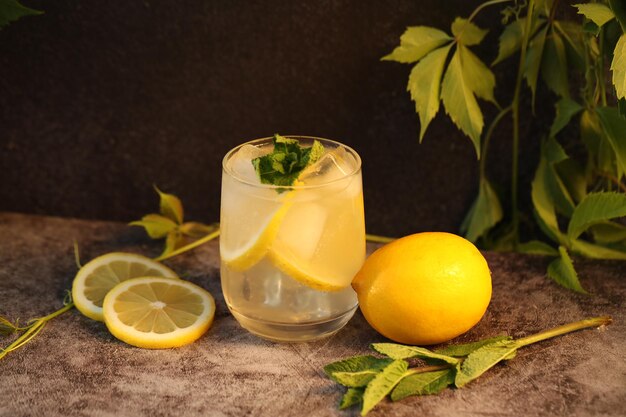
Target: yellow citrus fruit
(158, 313)
(425, 288)
(94, 279)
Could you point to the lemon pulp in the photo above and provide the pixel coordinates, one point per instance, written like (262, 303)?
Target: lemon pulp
(153, 312)
(94, 280)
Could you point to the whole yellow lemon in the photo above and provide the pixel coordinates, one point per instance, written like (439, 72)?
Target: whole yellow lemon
(425, 288)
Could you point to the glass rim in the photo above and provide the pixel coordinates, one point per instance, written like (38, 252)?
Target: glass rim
(232, 174)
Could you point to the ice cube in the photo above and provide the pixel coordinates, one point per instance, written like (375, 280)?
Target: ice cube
(302, 228)
(332, 166)
(241, 163)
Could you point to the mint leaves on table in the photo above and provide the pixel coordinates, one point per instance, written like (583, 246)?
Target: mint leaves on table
(370, 379)
(169, 224)
(285, 163)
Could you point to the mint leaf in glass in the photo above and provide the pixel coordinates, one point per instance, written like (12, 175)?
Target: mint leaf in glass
(285, 163)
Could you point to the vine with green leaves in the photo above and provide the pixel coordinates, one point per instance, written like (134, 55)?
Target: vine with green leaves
(578, 203)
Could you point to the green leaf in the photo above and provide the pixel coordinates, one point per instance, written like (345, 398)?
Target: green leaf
(596, 12)
(533, 60)
(596, 251)
(286, 161)
(396, 351)
(12, 10)
(621, 107)
(596, 208)
(543, 186)
(7, 327)
(466, 33)
(556, 189)
(592, 134)
(173, 241)
(170, 206)
(354, 379)
(416, 42)
(618, 66)
(485, 212)
(356, 364)
(156, 226)
(382, 384)
(197, 230)
(536, 247)
(615, 128)
(425, 85)
(510, 39)
(573, 35)
(467, 348)
(591, 27)
(353, 396)
(608, 232)
(460, 103)
(477, 75)
(619, 9)
(573, 178)
(554, 67)
(424, 383)
(543, 7)
(543, 204)
(562, 271)
(483, 359)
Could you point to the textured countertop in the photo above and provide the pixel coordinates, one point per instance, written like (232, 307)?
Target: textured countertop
(74, 367)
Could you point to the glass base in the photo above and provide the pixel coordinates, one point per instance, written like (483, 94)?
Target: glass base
(293, 332)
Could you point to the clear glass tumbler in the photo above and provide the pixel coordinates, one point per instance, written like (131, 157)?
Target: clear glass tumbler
(288, 254)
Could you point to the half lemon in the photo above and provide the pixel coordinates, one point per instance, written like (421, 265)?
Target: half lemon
(158, 313)
(94, 280)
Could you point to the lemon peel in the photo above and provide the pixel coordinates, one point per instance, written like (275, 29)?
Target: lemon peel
(157, 312)
(94, 279)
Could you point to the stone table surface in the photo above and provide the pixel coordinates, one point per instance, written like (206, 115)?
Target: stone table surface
(74, 367)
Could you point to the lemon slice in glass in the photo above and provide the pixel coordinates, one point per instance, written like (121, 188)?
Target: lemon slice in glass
(315, 244)
(241, 249)
(94, 280)
(158, 313)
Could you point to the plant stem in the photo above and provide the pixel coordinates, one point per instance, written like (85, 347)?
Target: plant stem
(35, 327)
(488, 135)
(611, 180)
(515, 109)
(485, 4)
(423, 369)
(379, 239)
(190, 246)
(567, 328)
(600, 68)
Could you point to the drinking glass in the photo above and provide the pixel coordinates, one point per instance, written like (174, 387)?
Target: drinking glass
(288, 254)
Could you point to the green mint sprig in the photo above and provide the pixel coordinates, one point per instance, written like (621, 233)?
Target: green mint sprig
(286, 161)
(369, 379)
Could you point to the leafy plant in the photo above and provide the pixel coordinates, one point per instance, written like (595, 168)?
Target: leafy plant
(576, 203)
(369, 379)
(169, 224)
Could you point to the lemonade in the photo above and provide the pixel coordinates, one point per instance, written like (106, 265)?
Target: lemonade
(289, 253)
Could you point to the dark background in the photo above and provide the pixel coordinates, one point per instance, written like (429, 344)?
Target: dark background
(101, 100)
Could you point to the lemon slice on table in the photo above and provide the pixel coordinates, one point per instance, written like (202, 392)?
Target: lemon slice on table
(94, 280)
(158, 313)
